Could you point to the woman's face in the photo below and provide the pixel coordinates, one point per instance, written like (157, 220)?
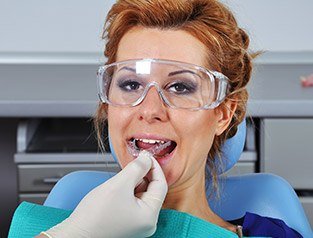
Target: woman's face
(192, 131)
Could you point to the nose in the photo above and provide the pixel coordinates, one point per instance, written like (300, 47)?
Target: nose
(152, 108)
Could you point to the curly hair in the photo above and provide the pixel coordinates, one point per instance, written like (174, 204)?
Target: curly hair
(209, 21)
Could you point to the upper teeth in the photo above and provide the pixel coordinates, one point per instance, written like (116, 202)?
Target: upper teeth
(151, 141)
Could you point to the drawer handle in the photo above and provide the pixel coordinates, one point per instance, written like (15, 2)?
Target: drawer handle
(51, 180)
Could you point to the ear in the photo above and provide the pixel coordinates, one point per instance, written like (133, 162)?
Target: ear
(225, 113)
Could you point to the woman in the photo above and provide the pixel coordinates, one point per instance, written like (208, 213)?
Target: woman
(202, 33)
(174, 85)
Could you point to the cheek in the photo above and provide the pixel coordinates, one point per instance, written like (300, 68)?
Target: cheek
(113, 130)
(200, 132)
(201, 140)
(196, 133)
(116, 130)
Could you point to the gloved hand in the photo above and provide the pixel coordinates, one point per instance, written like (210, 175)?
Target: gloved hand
(114, 209)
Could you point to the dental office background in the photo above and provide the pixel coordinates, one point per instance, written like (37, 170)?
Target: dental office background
(49, 53)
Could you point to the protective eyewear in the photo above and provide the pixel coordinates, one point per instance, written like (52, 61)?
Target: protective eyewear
(180, 85)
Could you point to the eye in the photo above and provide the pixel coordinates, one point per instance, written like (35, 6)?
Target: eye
(182, 88)
(129, 85)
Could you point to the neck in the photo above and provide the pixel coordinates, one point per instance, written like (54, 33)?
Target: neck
(190, 197)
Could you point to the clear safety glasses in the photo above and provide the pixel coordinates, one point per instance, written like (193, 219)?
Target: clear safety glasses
(180, 85)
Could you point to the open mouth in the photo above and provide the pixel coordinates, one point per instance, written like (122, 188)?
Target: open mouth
(159, 148)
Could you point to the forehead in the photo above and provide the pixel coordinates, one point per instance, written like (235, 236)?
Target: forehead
(178, 45)
(156, 68)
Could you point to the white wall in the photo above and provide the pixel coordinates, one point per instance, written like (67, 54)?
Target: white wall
(276, 25)
(52, 25)
(75, 26)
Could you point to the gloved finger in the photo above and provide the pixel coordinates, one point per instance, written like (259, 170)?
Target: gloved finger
(157, 188)
(142, 186)
(136, 170)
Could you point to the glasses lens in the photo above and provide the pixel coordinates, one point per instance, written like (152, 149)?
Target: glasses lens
(122, 84)
(180, 85)
(189, 88)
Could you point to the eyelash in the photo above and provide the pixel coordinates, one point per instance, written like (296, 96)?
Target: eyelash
(187, 86)
(123, 84)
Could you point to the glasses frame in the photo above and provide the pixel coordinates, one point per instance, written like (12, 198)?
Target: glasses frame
(222, 89)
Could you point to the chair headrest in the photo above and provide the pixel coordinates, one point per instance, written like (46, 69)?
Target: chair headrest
(231, 149)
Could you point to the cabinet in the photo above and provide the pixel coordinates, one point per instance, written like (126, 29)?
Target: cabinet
(287, 151)
(50, 148)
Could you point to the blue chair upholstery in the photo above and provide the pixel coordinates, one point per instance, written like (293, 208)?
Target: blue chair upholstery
(264, 194)
(69, 190)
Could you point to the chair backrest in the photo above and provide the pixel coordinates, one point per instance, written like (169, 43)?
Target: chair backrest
(73, 187)
(263, 194)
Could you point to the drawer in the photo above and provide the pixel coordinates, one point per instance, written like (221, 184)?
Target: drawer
(42, 177)
(307, 203)
(37, 198)
(288, 150)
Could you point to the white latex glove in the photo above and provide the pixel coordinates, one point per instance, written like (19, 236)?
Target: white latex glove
(114, 209)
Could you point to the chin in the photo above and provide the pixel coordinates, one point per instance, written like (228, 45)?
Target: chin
(171, 175)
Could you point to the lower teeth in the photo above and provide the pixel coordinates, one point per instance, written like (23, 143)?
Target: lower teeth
(134, 150)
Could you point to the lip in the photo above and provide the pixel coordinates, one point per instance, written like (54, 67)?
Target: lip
(149, 136)
(162, 161)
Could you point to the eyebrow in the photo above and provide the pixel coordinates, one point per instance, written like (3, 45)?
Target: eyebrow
(170, 74)
(182, 72)
(127, 68)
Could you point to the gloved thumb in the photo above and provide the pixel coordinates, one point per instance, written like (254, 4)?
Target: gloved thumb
(136, 170)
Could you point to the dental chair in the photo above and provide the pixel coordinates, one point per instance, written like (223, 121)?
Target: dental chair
(260, 193)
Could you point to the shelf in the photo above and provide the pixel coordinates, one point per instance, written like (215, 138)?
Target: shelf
(60, 87)
(97, 58)
(51, 58)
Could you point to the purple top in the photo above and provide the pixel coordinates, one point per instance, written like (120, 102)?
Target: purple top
(256, 225)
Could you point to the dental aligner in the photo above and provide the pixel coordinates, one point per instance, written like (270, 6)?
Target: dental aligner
(134, 150)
